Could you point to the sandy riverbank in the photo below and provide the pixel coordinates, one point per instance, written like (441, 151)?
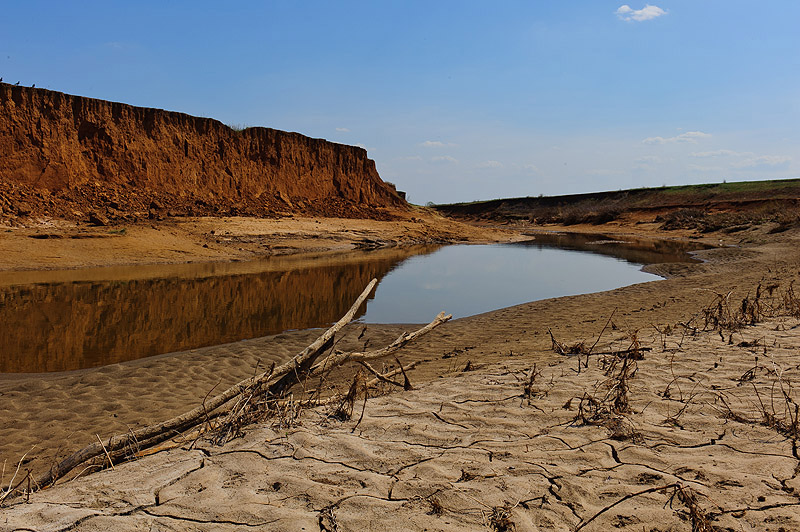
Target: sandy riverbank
(54, 414)
(56, 244)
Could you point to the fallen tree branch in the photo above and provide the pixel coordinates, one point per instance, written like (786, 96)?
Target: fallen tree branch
(275, 383)
(337, 359)
(381, 378)
(159, 432)
(374, 382)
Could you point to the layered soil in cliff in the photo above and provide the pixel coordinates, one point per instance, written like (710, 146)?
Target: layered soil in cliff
(78, 158)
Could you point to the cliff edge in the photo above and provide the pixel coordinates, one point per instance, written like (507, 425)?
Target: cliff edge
(71, 157)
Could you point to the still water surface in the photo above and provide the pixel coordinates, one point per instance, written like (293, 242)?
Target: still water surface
(73, 319)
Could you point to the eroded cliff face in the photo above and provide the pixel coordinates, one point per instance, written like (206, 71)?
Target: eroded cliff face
(62, 154)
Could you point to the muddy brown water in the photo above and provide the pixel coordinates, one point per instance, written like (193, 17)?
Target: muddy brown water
(65, 320)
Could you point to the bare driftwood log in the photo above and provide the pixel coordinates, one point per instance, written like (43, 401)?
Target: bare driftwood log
(279, 379)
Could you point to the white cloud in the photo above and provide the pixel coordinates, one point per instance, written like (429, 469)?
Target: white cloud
(444, 159)
(490, 164)
(531, 167)
(701, 168)
(689, 136)
(746, 159)
(342, 130)
(764, 161)
(648, 12)
(647, 162)
(436, 144)
(716, 153)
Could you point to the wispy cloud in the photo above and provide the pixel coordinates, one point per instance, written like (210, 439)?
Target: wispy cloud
(648, 12)
(716, 153)
(342, 130)
(649, 159)
(764, 161)
(746, 159)
(436, 144)
(689, 136)
(705, 169)
(444, 159)
(490, 164)
(647, 162)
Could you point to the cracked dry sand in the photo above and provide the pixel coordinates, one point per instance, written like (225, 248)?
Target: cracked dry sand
(473, 451)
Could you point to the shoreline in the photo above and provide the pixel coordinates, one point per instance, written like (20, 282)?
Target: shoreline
(58, 244)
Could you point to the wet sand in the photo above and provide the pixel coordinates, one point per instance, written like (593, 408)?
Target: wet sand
(52, 414)
(56, 244)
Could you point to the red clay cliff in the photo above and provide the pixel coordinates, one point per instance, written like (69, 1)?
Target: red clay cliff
(66, 156)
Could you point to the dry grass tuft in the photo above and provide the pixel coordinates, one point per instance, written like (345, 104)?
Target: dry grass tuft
(688, 497)
(578, 348)
(769, 301)
(500, 519)
(344, 410)
(691, 511)
(436, 506)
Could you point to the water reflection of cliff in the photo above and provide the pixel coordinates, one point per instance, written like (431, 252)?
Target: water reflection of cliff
(638, 251)
(71, 325)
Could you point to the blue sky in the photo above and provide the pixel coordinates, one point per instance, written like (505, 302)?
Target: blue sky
(455, 100)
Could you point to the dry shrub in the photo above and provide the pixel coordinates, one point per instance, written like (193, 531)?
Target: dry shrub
(688, 497)
(327, 520)
(791, 303)
(777, 409)
(767, 302)
(619, 373)
(595, 213)
(249, 407)
(436, 506)
(611, 409)
(719, 315)
(691, 511)
(785, 221)
(529, 390)
(344, 410)
(500, 519)
(681, 219)
(578, 348)
(729, 222)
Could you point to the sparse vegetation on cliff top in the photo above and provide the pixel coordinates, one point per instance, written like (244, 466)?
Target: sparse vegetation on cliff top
(706, 208)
